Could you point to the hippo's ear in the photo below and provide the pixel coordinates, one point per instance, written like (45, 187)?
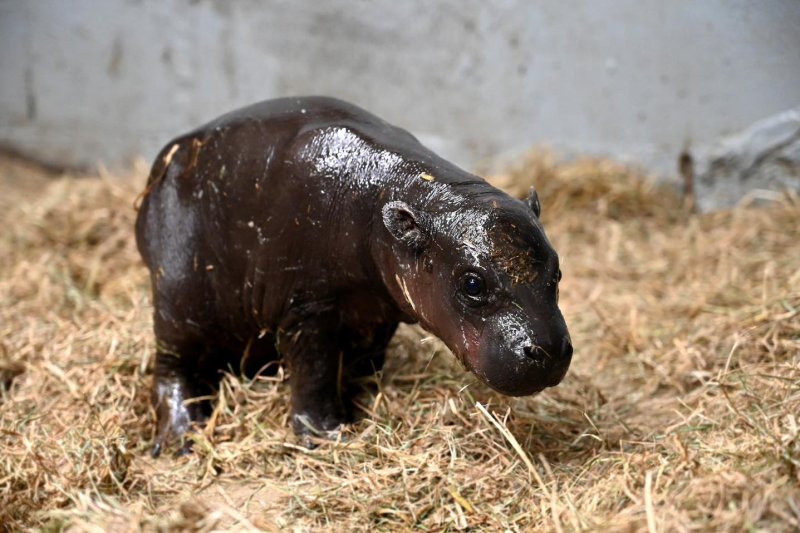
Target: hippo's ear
(533, 202)
(405, 224)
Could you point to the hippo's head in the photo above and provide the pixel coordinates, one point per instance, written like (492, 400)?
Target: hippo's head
(481, 275)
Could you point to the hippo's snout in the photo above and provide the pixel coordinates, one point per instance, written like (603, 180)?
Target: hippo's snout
(516, 360)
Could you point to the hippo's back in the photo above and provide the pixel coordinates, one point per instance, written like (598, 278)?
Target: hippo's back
(258, 202)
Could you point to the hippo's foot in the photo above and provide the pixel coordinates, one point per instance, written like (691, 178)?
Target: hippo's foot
(321, 424)
(178, 410)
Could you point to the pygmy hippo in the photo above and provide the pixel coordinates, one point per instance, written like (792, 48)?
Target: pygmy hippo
(306, 229)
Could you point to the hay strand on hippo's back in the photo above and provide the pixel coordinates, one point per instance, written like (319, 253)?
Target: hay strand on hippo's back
(680, 410)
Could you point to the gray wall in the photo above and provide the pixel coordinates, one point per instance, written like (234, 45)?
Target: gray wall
(85, 81)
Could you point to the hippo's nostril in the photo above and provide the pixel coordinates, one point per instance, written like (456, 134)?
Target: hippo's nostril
(528, 351)
(535, 353)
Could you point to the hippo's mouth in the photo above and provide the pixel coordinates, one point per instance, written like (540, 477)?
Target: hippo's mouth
(505, 369)
(511, 374)
(469, 361)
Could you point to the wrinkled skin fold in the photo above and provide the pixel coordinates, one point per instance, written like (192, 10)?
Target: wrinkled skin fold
(305, 230)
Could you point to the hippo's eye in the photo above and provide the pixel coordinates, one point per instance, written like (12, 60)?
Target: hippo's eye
(473, 285)
(558, 276)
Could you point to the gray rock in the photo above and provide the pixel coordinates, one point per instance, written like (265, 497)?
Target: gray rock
(755, 165)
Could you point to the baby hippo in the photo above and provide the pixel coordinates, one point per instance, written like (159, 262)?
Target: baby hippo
(306, 229)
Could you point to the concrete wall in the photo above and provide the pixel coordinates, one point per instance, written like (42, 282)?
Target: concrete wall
(85, 81)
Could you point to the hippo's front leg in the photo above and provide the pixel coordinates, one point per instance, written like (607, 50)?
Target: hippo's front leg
(312, 352)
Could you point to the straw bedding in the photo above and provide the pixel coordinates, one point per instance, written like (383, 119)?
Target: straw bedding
(681, 410)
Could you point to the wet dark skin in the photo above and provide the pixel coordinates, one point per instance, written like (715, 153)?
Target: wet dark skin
(305, 230)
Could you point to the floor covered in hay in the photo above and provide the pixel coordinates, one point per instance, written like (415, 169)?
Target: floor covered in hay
(681, 410)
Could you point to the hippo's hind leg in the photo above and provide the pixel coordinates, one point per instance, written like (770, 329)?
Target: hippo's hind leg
(179, 395)
(190, 353)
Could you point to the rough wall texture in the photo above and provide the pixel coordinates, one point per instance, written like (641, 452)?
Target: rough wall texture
(753, 165)
(86, 81)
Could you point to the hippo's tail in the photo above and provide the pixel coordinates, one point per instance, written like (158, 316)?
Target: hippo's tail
(189, 152)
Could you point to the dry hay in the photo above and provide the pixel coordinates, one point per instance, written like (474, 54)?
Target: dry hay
(680, 411)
